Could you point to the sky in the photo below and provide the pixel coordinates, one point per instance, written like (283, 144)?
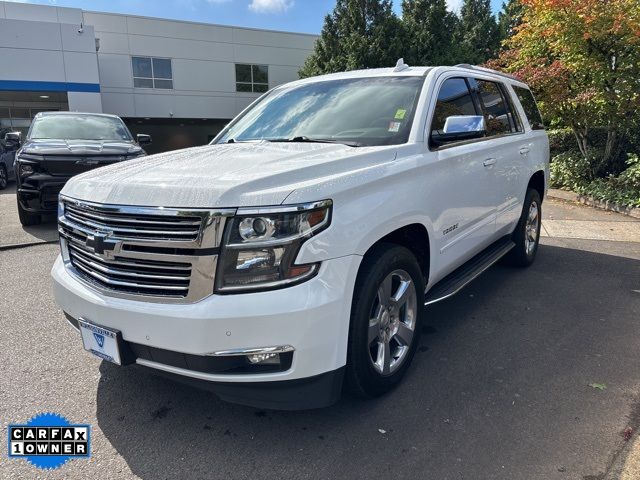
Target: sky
(289, 15)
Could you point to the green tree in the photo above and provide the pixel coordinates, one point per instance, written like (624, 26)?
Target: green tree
(509, 18)
(477, 33)
(357, 34)
(429, 28)
(582, 58)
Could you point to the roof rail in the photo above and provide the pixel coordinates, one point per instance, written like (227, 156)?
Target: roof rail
(487, 70)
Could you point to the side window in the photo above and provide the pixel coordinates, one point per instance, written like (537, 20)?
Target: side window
(454, 98)
(530, 108)
(496, 113)
(514, 117)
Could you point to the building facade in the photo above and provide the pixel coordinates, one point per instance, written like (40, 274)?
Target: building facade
(179, 81)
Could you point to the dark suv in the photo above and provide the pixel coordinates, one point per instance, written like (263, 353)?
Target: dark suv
(60, 145)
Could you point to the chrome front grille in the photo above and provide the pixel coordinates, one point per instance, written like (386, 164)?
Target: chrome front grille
(148, 227)
(146, 253)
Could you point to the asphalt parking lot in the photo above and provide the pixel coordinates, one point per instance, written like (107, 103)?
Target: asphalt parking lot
(501, 387)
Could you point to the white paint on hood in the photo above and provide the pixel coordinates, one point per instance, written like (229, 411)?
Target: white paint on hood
(227, 175)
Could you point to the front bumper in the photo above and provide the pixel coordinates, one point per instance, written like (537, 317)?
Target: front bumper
(313, 317)
(39, 194)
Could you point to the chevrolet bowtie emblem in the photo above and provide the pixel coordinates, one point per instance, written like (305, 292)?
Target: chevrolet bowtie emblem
(101, 244)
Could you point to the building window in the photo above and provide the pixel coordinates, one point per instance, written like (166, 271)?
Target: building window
(252, 78)
(151, 72)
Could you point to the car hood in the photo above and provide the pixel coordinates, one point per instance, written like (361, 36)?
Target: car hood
(79, 147)
(227, 175)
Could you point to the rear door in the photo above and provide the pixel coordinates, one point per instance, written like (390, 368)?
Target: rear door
(506, 152)
(536, 144)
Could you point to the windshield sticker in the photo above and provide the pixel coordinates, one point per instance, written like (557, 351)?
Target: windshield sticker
(394, 127)
(400, 113)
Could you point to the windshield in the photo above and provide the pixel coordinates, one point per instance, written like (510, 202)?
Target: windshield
(79, 127)
(356, 111)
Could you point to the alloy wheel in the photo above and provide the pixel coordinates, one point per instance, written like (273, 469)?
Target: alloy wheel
(392, 322)
(532, 228)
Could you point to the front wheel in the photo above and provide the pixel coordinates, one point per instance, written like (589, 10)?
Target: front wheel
(386, 318)
(527, 233)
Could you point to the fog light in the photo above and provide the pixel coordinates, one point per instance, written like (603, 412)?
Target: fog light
(264, 358)
(26, 170)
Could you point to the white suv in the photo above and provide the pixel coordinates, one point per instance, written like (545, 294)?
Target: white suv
(297, 251)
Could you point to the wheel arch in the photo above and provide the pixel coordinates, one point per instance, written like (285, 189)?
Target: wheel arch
(537, 182)
(414, 237)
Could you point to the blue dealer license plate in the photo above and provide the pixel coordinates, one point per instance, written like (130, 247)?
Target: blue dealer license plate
(100, 341)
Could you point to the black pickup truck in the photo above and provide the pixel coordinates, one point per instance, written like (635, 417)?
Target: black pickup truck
(60, 145)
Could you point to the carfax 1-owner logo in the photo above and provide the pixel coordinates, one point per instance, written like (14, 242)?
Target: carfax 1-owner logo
(48, 440)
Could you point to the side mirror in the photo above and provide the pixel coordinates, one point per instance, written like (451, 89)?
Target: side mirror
(458, 128)
(143, 139)
(12, 139)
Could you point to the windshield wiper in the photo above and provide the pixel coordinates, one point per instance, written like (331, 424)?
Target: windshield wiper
(305, 139)
(233, 140)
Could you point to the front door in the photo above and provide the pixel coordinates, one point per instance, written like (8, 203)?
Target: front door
(465, 185)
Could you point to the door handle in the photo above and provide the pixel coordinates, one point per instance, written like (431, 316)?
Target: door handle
(489, 161)
(524, 150)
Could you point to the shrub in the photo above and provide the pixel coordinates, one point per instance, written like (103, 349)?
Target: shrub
(623, 189)
(570, 170)
(562, 140)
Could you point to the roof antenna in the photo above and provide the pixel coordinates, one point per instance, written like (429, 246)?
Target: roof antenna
(400, 65)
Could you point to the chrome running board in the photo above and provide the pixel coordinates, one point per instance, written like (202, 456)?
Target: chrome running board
(465, 274)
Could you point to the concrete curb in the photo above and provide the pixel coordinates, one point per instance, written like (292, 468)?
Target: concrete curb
(592, 202)
(13, 246)
(626, 464)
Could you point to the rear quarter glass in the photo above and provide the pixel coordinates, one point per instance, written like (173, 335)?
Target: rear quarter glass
(530, 107)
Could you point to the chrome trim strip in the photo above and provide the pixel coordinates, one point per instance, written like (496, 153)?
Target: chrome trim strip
(114, 271)
(77, 246)
(213, 377)
(79, 220)
(251, 351)
(301, 207)
(153, 211)
(134, 255)
(135, 221)
(104, 279)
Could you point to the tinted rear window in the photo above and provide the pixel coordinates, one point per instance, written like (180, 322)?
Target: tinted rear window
(494, 108)
(530, 108)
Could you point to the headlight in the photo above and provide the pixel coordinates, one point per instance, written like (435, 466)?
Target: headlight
(28, 164)
(261, 245)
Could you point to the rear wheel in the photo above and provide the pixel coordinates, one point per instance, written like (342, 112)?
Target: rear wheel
(27, 218)
(527, 233)
(4, 178)
(386, 316)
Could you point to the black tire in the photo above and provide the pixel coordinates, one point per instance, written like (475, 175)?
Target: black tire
(4, 177)
(26, 218)
(385, 260)
(522, 255)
